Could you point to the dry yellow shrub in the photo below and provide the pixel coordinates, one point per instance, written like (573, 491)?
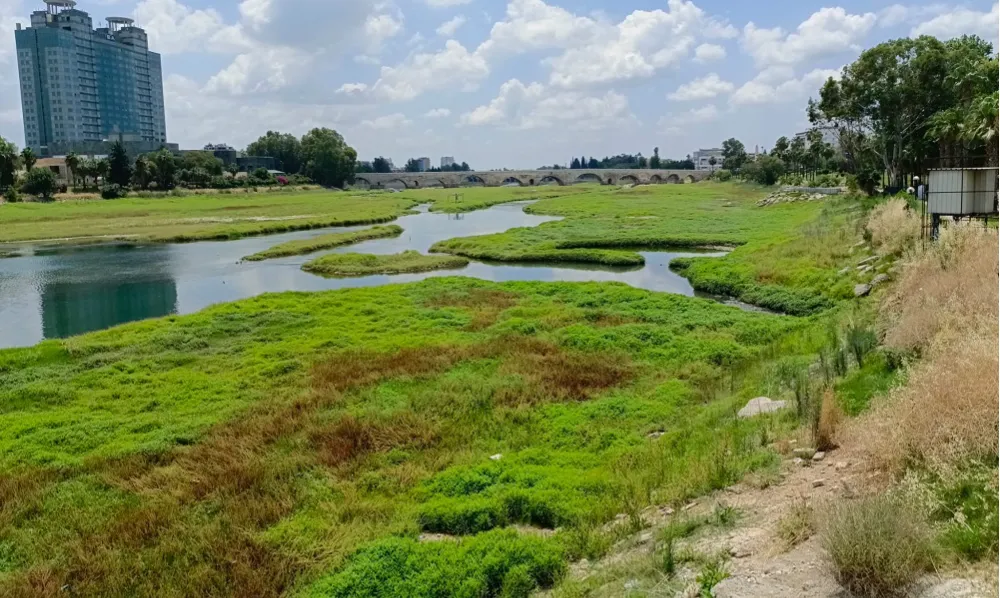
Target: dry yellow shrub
(829, 419)
(945, 305)
(894, 228)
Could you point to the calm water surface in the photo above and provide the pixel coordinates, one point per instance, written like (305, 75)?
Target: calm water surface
(55, 293)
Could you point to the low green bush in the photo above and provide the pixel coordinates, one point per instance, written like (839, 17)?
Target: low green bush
(113, 191)
(878, 545)
(497, 563)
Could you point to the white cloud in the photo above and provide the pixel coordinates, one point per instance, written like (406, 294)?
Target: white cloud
(353, 89)
(452, 68)
(599, 52)
(826, 31)
(380, 27)
(893, 15)
(389, 121)
(535, 25)
(437, 113)
(961, 21)
(174, 28)
(533, 106)
(704, 88)
(709, 52)
(264, 69)
(367, 59)
(703, 114)
(446, 3)
(766, 88)
(449, 27)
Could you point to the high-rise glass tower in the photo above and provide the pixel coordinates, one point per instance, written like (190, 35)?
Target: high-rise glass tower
(80, 84)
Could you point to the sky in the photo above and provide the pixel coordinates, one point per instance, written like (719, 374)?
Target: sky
(515, 83)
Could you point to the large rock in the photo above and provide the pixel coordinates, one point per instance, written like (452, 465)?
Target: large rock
(862, 289)
(761, 405)
(879, 279)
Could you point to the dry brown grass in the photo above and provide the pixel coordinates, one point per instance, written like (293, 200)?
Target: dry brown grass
(350, 438)
(571, 375)
(894, 227)
(830, 416)
(945, 307)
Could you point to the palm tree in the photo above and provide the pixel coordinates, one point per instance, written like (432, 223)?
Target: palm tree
(981, 124)
(72, 163)
(947, 128)
(28, 159)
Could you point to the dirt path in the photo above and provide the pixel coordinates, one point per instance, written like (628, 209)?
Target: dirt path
(772, 548)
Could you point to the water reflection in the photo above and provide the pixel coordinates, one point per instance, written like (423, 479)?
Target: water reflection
(53, 293)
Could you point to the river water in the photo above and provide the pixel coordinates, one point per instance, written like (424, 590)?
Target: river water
(60, 292)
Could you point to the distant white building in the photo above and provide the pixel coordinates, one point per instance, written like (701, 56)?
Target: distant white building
(830, 134)
(447, 162)
(703, 159)
(424, 164)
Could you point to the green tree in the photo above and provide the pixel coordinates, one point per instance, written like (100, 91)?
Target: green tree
(765, 170)
(101, 168)
(885, 99)
(40, 182)
(981, 124)
(575, 164)
(712, 162)
(28, 159)
(202, 159)
(380, 164)
(654, 162)
(329, 161)
(642, 163)
(818, 151)
(733, 154)
(164, 169)
(780, 147)
(73, 163)
(142, 174)
(8, 164)
(592, 163)
(119, 168)
(412, 166)
(283, 147)
(364, 166)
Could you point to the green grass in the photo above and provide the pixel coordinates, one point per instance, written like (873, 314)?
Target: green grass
(366, 264)
(786, 257)
(196, 217)
(329, 241)
(275, 445)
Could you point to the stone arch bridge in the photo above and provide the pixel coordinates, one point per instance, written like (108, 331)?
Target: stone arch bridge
(525, 178)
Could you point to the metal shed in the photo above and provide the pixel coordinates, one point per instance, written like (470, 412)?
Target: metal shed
(962, 191)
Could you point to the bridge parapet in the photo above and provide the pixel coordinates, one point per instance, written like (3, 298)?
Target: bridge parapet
(527, 178)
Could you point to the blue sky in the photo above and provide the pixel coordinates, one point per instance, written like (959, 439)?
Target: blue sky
(516, 83)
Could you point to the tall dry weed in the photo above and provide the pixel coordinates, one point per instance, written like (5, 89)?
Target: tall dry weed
(894, 227)
(945, 307)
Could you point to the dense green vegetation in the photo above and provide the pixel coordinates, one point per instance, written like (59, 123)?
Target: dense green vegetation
(249, 448)
(303, 246)
(195, 217)
(366, 264)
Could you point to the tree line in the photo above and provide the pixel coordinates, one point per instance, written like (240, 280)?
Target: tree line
(629, 161)
(902, 107)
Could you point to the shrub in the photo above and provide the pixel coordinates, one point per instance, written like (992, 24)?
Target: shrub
(11, 195)
(40, 182)
(797, 525)
(501, 562)
(944, 306)
(765, 170)
(722, 175)
(827, 421)
(894, 227)
(878, 545)
(113, 191)
(861, 340)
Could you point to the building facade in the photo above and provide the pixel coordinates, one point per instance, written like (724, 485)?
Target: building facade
(423, 164)
(82, 85)
(703, 159)
(447, 162)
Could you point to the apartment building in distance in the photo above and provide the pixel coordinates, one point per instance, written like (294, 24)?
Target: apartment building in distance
(82, 86)
(703, 159)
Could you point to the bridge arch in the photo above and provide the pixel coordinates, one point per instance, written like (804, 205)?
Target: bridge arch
(512, 181)
(550, 180)
(628, 179)
(473, 181)
(396, 184)
(656, 179)
(673, 179)
(361, 182)
(588, 177)
(689, 178)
